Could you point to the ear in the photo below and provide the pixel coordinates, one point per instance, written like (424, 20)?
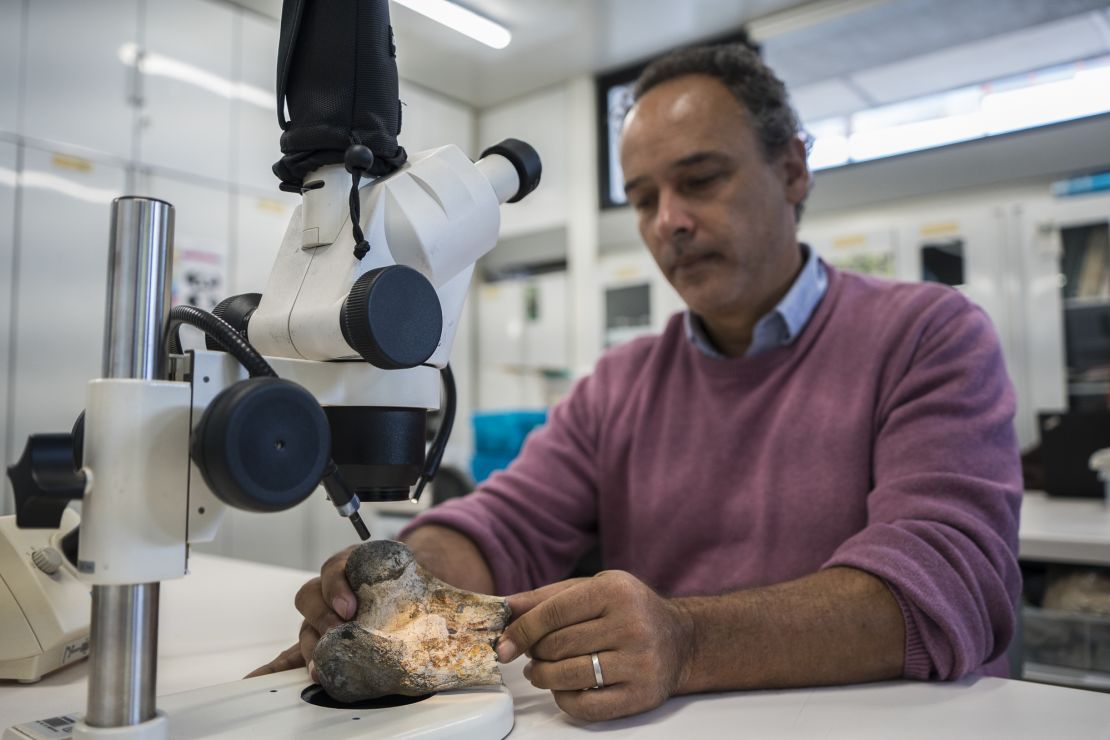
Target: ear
(795, 171)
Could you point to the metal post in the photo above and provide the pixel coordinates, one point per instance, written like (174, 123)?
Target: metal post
(124, 627)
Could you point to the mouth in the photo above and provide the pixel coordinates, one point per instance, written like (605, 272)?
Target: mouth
(689, 262)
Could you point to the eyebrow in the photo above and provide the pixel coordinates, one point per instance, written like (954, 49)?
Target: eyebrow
(689, 161)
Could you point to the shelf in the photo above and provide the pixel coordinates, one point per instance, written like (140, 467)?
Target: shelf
(1059, 676)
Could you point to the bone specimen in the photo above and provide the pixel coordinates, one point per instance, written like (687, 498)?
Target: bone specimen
(413, 634)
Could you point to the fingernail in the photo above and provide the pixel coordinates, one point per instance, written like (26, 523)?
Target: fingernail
(342, 607)
(506, 650)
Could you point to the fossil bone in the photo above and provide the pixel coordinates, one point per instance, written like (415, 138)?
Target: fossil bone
(413, 634)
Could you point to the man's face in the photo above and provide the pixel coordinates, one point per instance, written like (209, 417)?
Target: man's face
(717, 216)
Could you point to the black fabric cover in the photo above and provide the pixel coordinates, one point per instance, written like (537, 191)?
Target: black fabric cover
(337, 69)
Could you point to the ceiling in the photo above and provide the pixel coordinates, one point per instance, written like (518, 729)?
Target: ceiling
(835, 55)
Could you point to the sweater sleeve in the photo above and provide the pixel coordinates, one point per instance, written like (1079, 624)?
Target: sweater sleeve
(534, 520)
(942, 518)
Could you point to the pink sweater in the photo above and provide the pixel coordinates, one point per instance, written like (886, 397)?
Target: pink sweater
(882, 439)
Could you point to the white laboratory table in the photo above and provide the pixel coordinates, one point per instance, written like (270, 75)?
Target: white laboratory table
(1064, 530)
(230, 616)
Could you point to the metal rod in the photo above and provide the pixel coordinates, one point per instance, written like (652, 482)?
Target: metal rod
(139, 271)
(124, 626)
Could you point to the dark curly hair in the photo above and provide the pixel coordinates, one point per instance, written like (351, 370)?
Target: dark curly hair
(740, 69)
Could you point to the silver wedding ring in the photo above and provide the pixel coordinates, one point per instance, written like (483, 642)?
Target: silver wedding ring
(599, 680)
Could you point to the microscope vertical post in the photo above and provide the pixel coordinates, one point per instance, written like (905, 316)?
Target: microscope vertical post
(124, 625)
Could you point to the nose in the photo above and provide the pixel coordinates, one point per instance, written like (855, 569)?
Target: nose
(672, 218)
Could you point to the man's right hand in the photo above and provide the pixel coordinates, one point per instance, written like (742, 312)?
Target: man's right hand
(324, 602)
(327, 601)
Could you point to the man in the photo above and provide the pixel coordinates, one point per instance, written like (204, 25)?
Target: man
(811, 477)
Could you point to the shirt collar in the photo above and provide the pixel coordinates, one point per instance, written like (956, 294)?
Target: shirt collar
(782, 325)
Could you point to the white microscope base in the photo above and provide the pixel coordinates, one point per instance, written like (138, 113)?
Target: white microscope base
(271, 707)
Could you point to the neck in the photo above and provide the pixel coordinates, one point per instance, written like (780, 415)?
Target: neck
(731, 332)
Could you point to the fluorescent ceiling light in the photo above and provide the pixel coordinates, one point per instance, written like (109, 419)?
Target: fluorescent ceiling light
(151, 63)
(460, 19)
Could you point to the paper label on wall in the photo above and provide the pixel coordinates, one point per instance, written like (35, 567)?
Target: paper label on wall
(198, 278)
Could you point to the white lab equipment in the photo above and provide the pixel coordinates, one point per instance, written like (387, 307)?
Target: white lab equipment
(325, 379)
(1100, 463)
(44, 608)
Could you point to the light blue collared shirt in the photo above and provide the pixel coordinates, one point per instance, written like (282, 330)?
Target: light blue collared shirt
(785, 321)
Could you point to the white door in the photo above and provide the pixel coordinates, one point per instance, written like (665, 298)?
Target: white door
(59, 288)
(7, 256)
(79, 74)
(187, 87)
(257, 133)
(11, 48)
(260, 224)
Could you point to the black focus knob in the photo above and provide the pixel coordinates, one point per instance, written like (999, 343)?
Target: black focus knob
(526, 162)
(262, 444)
(45, 480)
(237, 311)
(392, 318)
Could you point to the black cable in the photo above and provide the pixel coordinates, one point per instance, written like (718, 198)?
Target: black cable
(223, 333)
(439, 444)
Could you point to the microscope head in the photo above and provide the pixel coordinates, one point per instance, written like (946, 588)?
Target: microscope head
(376, 263)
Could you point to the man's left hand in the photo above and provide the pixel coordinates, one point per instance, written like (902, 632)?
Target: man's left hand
(642, 642)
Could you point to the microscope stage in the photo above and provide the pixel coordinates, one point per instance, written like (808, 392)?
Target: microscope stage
(271, 707)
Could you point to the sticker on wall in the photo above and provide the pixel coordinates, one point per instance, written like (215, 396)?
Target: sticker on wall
(198, 278)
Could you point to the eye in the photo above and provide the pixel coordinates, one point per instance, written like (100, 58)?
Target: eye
(704, 181)
(643, 204)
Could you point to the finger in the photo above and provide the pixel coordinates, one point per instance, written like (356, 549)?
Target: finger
(306, 644)
(310, 603)
(608, 703)
(336, 590)
(574, 674)
(575, 603)
(525, 601)
(569, 642)
(288, 659)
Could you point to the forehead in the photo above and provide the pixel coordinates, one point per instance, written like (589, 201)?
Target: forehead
(682, 116)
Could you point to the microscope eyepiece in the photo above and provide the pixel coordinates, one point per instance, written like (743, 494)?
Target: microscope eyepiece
(526, 162)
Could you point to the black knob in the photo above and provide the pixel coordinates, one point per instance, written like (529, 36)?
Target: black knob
(262, 444)
(392, 318)
(526, 162)
(358, 158)
(45, 480)
(237, 311)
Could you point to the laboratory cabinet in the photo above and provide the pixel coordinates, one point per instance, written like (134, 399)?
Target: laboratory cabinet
(257, 136)
(8, 162)
(11, 52)
(59, 288)
(261, 219)
(1002, 248)
(635, 297)
(187, 88)
(523, 344)
(79, 80)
